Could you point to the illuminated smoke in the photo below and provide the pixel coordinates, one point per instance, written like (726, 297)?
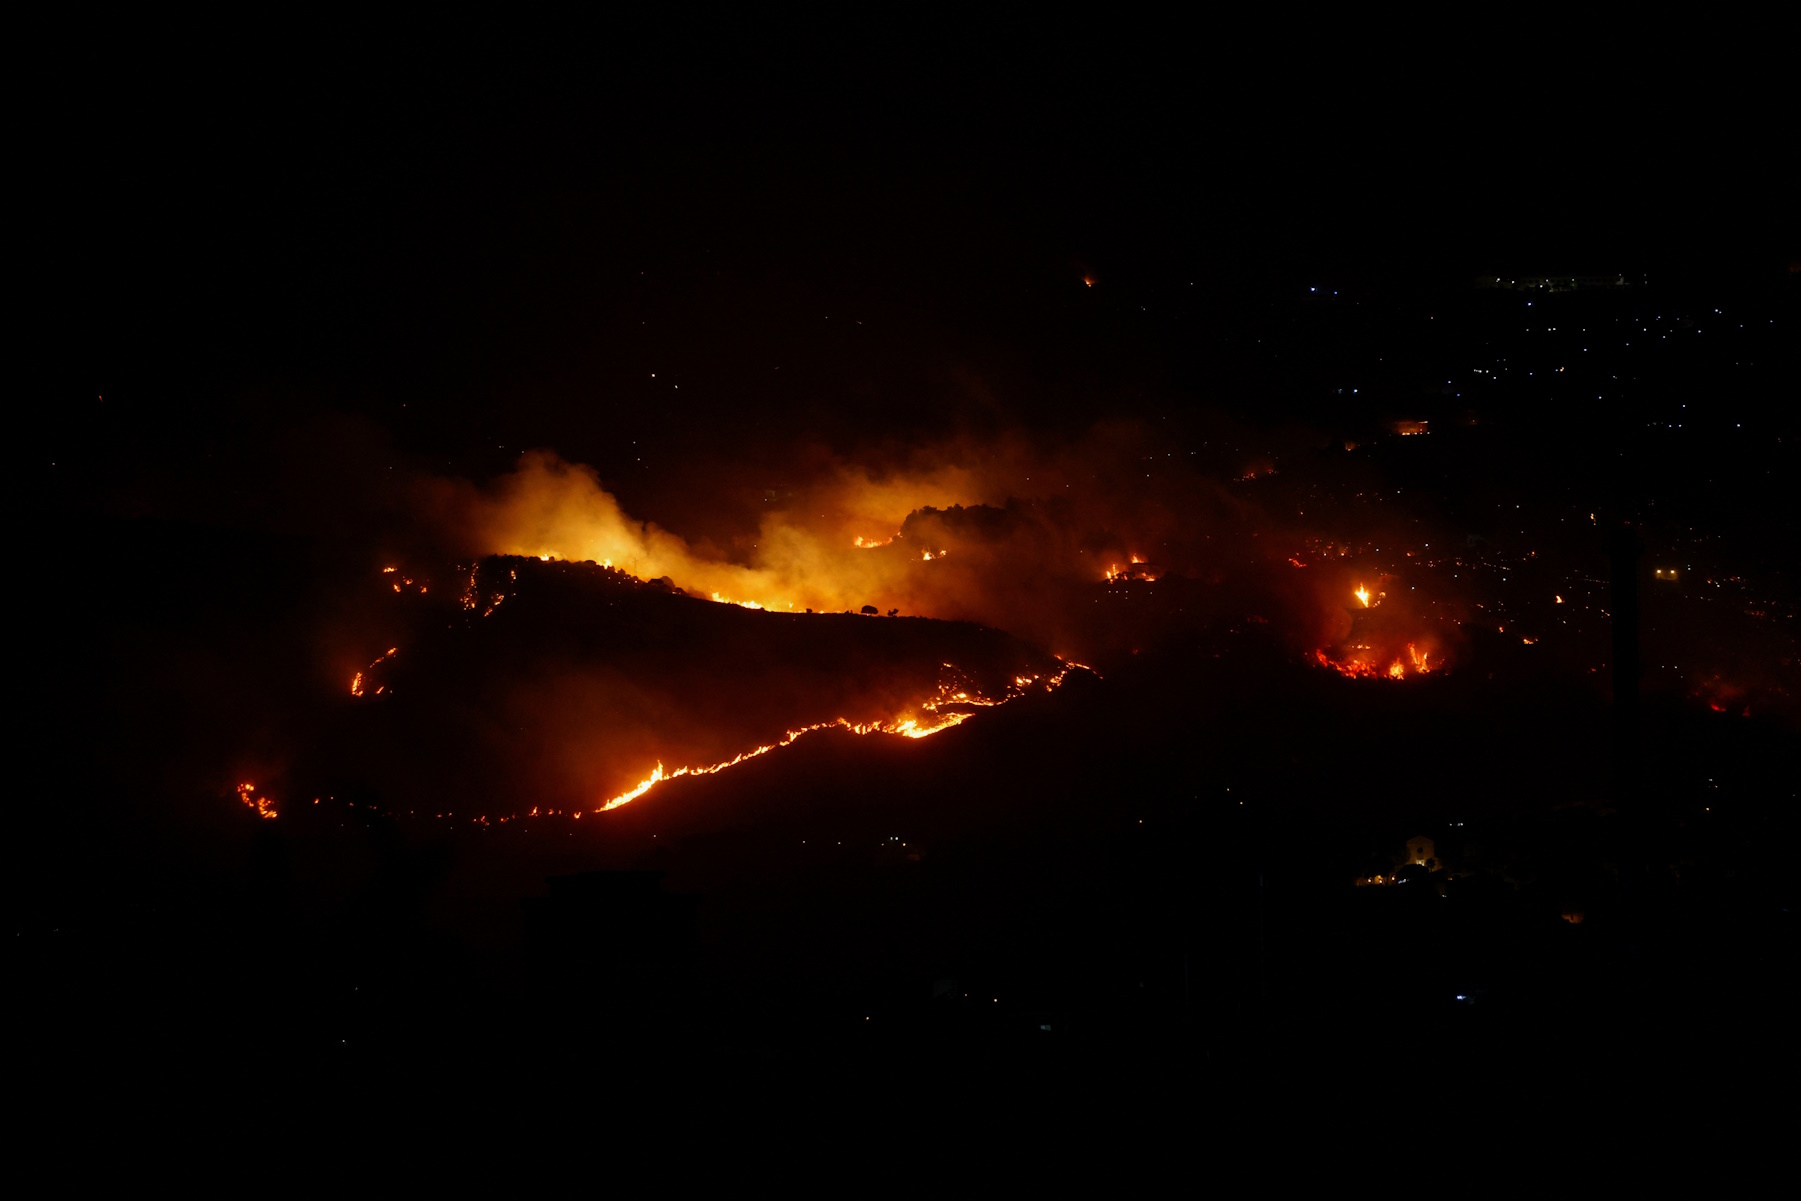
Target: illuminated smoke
(997, 533)
(1056, 542)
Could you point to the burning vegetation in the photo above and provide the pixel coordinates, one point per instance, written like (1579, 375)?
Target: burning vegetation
(1373, 647)
(551, 687)
(262, 806)
(578, 657)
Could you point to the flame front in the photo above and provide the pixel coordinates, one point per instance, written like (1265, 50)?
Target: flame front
(905, 727)
(1414, 662)
(262, 806)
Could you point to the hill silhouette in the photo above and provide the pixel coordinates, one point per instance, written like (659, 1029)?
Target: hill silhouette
(557, 685)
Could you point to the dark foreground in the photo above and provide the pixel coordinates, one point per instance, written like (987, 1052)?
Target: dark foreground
(1126, 909)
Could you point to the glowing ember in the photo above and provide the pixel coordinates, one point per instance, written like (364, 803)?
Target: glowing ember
(357, 681)
(262, 806)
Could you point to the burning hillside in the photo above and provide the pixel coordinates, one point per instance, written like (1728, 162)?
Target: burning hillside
(1041, 543)
(523, 686)
(600, 655)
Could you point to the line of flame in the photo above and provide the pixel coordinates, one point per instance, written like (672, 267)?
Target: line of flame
(911, 727)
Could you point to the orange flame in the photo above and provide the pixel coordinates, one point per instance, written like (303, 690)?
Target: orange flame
(262, 806)
(1416, 662)
(904, 727)
(357, 683)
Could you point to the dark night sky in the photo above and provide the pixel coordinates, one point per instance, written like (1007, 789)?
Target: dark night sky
(475, 234)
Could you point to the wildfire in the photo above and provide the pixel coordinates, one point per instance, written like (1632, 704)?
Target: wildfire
(262, 806)
(1137, 569)
(905, 727)
(726, 600)
(1362, 594)
(357, 681)
(1414, 662)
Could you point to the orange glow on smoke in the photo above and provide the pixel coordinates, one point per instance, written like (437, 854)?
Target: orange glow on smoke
(814, 550)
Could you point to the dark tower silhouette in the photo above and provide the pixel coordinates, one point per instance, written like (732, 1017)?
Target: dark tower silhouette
(1624, 550)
